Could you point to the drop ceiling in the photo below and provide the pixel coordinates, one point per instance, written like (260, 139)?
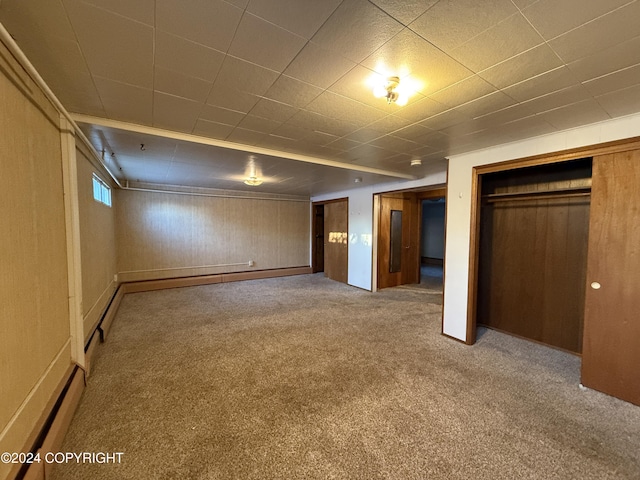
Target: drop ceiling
(210, 85)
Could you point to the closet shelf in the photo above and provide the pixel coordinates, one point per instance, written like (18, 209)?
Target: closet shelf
(538, 194)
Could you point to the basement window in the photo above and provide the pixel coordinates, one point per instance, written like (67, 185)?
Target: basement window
(101, 191)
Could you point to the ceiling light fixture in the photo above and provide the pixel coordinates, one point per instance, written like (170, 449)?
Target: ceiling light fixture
(252, 179)
(416, 162)
(390, 92)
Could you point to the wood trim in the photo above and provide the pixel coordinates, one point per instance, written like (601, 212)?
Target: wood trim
(98, 310)
(474, 250)
(40, 425)
(439, 262)
(146, 286)
(60, 425)
(335, 200)
(436, 193)
(616, 146)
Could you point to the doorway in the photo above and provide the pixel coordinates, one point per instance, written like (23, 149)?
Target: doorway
(432, 244)
(330, 227)
(400, 237)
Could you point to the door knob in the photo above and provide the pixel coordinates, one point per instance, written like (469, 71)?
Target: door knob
(595, 285)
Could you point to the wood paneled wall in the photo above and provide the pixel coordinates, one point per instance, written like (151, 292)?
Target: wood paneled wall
(533, 254)
(164, 233)
(98, 243)
(35, 351)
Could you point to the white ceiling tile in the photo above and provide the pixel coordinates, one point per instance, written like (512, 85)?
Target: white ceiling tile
(231, 99)
(292, 92)
(124, 102)
(336, 106)
(278, 111)
(265, 44)
(221, 115)
(464, 91)
(508, 114)
(180, 85)
(318, 66)
(206, 128)
(141, 10)
(567, 14)
(175, 113)
(356, 29)
(258, 124)
(424, 108)
(319, 123)
(580, 113)
(627, 77)
(395, 144)
(246, 137)
(302, 17)
(450, 23)
(114, 46)
(404, 11)
(524, 66)
(606, 61)
(190, 58)
(445, 119)
(621, 102)
(548, 82)
(48, 18)
(489, 103)
(389, 123)
(501, 42)
(247, 77)
(566, 96)
(419, 64)
(606, 31)
(209, 22)
(415, 132)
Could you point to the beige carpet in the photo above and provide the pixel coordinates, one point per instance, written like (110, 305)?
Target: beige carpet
(302, 377)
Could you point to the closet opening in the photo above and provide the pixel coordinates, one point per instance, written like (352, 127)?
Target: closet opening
(532, 252)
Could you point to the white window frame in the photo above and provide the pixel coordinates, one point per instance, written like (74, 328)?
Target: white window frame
(101, 191)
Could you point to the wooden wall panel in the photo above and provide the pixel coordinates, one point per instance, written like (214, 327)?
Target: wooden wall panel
(34, 315)
(533, 255)
(98, 245)
(165, 233)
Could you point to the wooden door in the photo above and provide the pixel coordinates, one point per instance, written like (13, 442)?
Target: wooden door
(317, 255)
(398, 238)
(336, 240)
(611, 348)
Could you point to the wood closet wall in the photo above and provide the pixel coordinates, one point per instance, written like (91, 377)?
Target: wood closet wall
(534, 228)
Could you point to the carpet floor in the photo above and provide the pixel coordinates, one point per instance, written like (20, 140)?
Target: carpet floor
(303, 377)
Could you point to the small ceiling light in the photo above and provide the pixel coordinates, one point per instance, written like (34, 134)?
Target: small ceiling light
(358, 180)
(390, 92)
(253, 181)
(416, 162)
(252, 176)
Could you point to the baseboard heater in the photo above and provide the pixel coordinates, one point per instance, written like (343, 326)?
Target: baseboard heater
(55, 427)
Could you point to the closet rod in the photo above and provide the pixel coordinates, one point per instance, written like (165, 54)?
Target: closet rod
(539, 195)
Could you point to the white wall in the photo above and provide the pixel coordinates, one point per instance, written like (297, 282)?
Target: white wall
(361, 221)
(459, 201)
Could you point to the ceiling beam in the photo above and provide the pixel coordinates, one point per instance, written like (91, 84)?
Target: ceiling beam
(186, 137)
